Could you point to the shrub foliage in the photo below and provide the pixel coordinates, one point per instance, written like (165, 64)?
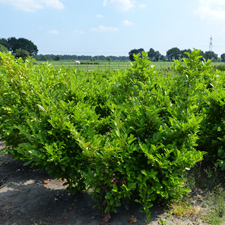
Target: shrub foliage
(123, 135)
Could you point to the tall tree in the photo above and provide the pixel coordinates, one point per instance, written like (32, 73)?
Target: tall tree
(173, 53)
(183, 55)
(22, 43)
(223, 57)
(135, 51)
(157, 56)
(12, 44)
(210, 55)
(151, 54)
(4, 42)
(154, 55)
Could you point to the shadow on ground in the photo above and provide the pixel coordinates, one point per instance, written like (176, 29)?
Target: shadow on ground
(29, 196)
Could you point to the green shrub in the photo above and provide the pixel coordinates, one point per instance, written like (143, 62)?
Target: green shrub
(38, 103)
(123, 135)
(148, 147)
(212, 130)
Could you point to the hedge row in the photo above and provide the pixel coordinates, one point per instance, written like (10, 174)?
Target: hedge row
(123, 135)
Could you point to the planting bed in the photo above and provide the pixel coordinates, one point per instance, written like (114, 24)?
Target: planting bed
(30, 197)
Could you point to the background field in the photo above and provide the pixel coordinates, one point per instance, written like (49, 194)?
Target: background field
(102, 65)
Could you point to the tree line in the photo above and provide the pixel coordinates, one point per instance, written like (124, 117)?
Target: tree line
(23, 48)
(174, 53)
(19, 46)
(81, 57)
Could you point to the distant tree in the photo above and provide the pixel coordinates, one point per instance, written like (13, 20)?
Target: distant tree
(109, 60)
(162, 58)
(223, 57)
(210, 55)
(173, 53)
(12, 44)
(183, 55)
(157, 56)
(43, 58)
(3, 48)
(151, 54)
(56, 58)
(154, 55)
(22, 43)
(131, 54)
(201, 53)
(21, 53)
(100, 57)
(93, 59)
(4, 42)
(135, 51)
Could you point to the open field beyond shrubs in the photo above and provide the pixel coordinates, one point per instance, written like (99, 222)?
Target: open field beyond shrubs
(122, 134)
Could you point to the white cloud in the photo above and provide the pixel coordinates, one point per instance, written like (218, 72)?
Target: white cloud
(100, 16)
(211, 9)
(121, 5)
(105, 2)
(127, 23)
(78, 32)
(142, 6)
(53, 32)
(104, 29)
(33, 5)
(53, 3)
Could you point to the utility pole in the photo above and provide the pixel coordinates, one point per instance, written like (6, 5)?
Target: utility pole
(210, 44)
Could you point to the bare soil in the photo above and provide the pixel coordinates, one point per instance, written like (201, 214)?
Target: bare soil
(29, 196)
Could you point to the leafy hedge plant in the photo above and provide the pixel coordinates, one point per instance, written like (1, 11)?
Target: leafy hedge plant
(123, 135)
(204, 94)
(147, 149)
(37, 104)
(212, 129)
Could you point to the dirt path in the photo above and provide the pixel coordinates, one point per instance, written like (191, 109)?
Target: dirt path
(30, 197)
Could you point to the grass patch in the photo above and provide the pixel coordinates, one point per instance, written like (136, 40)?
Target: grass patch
(216, 206)
(184, 209)
(206, 202)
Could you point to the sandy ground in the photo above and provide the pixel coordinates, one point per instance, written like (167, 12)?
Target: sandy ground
(30, 197)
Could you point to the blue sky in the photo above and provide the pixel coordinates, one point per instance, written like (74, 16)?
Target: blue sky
(114, 27)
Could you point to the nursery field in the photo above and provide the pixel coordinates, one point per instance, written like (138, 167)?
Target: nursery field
(88, 65)
(114, 65)
(102, 65)
(139, 135)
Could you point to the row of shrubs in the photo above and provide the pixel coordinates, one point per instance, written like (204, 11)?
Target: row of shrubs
(125, 135)
(89, 63)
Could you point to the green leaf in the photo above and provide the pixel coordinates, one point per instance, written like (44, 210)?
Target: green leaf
(108, 195)
(27, 163)
(115, 188)
(131, 186)
(41, 107)
(111, 201)
(144, 172)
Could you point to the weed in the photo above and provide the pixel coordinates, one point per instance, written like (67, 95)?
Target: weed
(212, 175)
(162, 222)
(215, 202)
(182, 208)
